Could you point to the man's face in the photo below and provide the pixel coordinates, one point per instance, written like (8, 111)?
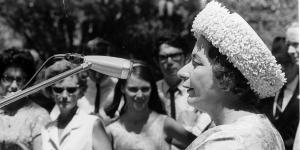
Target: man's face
(171, 59)
(292, 38)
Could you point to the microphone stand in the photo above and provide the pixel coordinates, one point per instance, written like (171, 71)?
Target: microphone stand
(23, 93)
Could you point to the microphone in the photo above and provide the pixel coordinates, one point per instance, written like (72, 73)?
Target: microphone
(111, 66)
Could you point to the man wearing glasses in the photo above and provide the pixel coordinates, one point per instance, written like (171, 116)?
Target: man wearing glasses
(172, 52)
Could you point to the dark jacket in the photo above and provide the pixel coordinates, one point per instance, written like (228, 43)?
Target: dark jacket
(287, 122)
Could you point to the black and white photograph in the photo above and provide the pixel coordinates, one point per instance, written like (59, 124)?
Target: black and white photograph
(149, 75)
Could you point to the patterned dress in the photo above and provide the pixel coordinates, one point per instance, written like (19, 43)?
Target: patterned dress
(17, 132)
(253, 132)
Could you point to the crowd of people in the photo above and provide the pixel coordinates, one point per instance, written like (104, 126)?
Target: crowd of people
(231, 92)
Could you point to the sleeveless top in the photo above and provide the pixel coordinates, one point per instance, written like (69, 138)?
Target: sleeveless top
(253, 132)
(151, 137)
(18, 132)
(76, 135)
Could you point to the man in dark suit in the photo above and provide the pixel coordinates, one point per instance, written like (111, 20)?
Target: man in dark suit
(283, 109)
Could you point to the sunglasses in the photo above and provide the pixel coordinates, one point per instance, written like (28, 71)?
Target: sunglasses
(59, 90)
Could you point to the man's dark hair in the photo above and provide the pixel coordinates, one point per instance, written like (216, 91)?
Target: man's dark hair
(279, 45)
(173, 40)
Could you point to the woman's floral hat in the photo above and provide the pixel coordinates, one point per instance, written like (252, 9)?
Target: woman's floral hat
(234, 37)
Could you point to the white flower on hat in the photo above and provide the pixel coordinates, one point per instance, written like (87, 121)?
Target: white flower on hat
(234, 37)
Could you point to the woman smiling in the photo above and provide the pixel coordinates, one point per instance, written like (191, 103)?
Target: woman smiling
(143, 123)
(230, 70)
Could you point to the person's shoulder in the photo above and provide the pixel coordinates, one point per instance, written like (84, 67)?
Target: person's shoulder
(254, 132)
(247, 126)
(50, 124)
(157, 116)
(113, 124)
(115, 128)
(35, 110)
(86, 117)
(217, 138)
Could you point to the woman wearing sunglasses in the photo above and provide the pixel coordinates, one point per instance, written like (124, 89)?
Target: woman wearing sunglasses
(73, 128)
(230, 70)
(143, 123)
(21, 121)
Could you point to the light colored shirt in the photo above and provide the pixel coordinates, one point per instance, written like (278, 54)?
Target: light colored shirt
(191, 119)
(151, 137)
(77, 134)
(107, 87)
(253, 132)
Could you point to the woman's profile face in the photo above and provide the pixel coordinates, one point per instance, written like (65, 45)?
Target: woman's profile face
(198, 77)
(66, 93)
(12, 80)
(137, 93)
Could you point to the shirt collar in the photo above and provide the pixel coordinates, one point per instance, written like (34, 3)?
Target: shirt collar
(292, 85)
(166, 87)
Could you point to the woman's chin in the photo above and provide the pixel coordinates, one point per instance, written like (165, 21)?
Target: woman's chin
(139, 106)
(193, 101)
(66, 106)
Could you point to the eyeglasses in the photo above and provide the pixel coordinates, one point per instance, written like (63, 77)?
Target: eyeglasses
(11, 79)
(175, 57)
(59, 90)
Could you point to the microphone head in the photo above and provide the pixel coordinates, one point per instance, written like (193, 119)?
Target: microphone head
(111, 66)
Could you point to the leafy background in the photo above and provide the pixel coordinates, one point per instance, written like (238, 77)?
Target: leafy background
(132, 26)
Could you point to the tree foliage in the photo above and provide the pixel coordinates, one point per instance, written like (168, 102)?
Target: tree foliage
(56, 26)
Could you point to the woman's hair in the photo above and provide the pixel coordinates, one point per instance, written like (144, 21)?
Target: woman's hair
(229, 77)
(60, 67)
(143, 71)
(17, 58)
